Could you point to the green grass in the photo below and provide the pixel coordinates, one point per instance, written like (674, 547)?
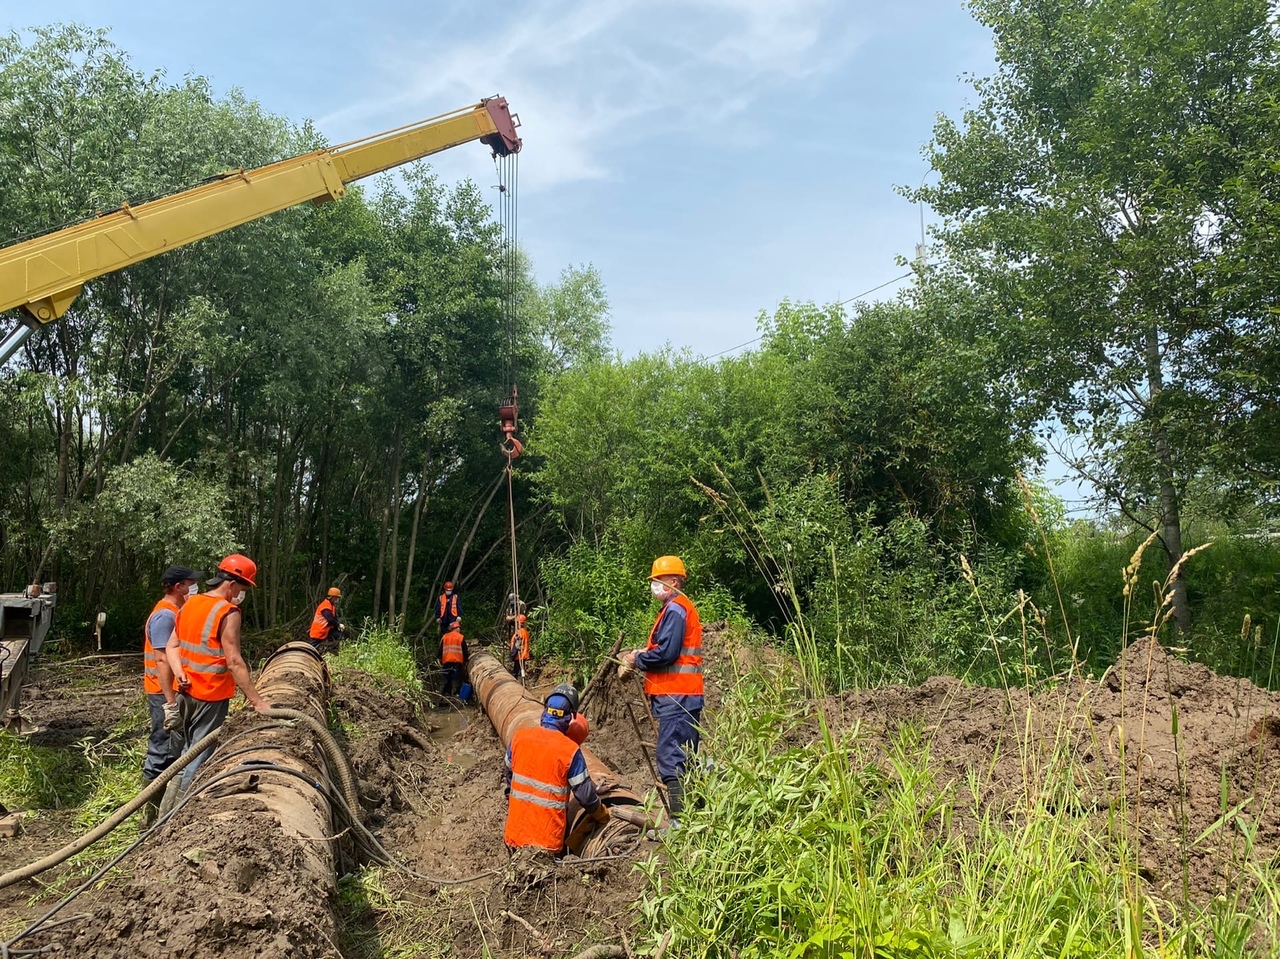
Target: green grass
(380, 923)
(805, 844)
(94, 778)
(38, 777)
(380, 651)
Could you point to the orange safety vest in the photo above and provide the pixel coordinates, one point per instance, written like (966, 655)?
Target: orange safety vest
(444, 611)
(150, 676)
(684, 676)
(537, 814)
(452, 647)
(200, 645)
(520, 644)
(319, 625)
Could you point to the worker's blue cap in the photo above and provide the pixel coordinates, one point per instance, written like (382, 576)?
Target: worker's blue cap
(558, 705)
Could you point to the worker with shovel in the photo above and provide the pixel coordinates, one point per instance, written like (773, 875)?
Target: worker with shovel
(672, 667)
(543, 767)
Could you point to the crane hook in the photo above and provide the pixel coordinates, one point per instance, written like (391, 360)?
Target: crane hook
(508, 415)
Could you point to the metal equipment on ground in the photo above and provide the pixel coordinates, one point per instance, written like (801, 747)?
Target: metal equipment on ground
(25, 619)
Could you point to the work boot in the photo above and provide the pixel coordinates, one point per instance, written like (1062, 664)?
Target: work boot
(675, 796)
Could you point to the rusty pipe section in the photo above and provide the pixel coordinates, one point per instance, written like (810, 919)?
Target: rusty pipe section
(256, 828)
(510, 708)
(293, 677)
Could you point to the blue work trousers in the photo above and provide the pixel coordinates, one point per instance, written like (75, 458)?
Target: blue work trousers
(678, 734)
(199, 719)
(160, 752)
(452, 679)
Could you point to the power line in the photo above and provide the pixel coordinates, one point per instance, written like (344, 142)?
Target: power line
(757, 339)
(874, 288)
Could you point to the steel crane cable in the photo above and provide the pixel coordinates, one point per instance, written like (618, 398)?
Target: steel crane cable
(508, 210)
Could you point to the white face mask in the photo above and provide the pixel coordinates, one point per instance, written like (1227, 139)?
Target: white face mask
(193, 589)
(239, 597)
(658, 589)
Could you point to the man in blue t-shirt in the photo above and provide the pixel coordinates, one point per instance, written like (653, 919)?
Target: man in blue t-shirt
(178, 582)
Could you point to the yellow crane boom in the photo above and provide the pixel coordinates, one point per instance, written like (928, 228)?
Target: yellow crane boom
(45, 274)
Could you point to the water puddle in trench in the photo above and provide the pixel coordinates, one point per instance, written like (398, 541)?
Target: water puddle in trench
(448, 724)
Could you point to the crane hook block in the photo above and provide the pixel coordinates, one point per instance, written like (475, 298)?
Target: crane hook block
(508, 417)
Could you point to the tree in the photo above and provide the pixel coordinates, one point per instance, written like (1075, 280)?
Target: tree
(1087, 192)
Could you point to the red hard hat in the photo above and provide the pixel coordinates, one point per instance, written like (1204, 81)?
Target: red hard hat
(448, 584)
(241, 567)
(578, 729)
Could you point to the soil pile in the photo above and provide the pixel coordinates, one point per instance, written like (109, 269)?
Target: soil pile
(429, 777)
(1116, 737)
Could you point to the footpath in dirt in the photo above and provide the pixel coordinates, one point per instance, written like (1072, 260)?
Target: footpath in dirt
(430, 785)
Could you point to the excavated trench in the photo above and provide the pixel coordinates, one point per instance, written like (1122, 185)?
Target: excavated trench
(249, 865)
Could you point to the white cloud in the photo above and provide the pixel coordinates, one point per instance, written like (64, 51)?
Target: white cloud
(590, 77)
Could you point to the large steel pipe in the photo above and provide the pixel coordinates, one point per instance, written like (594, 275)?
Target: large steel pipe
(248, 860)
(510, 708)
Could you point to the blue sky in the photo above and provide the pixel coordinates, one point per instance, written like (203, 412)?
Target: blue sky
(710, 157)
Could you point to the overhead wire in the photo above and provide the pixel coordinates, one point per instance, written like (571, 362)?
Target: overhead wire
(757, 339)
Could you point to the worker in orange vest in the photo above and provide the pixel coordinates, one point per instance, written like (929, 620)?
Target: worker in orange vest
(206, 659)
(325, 624)
(453, 656)
(543, 767)
(672, 667)
(157, 678)
(519, 650)
(448, 608)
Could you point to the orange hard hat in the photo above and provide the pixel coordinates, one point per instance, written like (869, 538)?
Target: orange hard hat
(240, 567)
(448, 584)
(522, 618)
(578, 729)
(667, 566)
(335, 593)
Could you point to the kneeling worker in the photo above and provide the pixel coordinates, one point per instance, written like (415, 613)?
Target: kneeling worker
(325, 625)
(543, 766)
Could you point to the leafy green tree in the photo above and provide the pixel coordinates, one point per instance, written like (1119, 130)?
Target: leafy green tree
(1086, 192)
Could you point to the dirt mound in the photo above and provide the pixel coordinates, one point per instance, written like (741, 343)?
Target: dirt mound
(227, 883)
(1116, 738)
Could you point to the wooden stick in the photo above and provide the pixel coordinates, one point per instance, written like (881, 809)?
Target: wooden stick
(507, 914)
(635, 723)
(664, 944)
(602, 952)
(609, 657)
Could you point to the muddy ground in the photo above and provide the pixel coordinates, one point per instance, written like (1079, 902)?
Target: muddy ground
(224, 882)
(429, 781)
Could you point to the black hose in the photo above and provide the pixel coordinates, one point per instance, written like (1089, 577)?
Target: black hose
(337, 758)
